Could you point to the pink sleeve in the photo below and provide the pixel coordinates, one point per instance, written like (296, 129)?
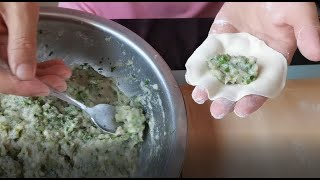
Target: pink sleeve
(146, 10)
(77, 6)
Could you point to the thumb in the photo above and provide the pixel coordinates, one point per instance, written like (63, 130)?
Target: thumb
(308, 42)
(21, 20)
(221, 26)
(306, 30)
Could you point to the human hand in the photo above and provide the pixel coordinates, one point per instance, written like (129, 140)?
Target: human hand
(19, 72)
(283, 26)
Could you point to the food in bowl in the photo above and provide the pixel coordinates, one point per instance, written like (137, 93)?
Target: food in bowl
(46, 137)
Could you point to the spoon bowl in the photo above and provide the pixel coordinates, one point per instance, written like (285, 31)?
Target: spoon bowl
(102, 115)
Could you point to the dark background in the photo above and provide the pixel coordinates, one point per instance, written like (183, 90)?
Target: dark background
(176, 39)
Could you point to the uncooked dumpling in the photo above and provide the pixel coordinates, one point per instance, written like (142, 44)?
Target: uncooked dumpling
(272, 66)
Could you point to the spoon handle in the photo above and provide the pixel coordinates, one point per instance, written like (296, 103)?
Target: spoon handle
(67, 98)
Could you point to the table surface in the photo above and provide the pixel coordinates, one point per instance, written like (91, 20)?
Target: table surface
(281, 139)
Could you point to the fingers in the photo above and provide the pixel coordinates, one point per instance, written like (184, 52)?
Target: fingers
(36, 87)
(242, 108)
(21, 88)
(306, 28)
(221, 23)
(199, 95)
(50, 73)
(55, 82)
(57, 69)
(309, 43)
(221, 26)
(50, 63)
(21, 20)
(54, 73)
(221, 107)
(248, 105)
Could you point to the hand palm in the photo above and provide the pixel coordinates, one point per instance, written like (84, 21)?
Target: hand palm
(278, 28)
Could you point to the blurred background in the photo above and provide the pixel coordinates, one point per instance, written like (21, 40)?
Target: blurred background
(48, 3)
(180, 48)
(56, 3)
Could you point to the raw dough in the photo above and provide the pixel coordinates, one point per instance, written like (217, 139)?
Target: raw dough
(272, 66)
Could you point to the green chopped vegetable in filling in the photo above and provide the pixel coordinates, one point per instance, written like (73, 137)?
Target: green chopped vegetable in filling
(46, 137)
(234, 69)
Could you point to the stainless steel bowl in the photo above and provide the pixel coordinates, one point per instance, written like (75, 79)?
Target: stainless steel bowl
(77, 37)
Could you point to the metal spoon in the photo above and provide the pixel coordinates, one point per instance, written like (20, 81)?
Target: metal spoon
(102, 115)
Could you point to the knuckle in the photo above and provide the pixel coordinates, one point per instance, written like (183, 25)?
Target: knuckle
(22, 43)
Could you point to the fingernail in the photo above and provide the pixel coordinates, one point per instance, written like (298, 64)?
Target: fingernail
(199, 101)
(61, 88)
(66, 75)
(42, 93)
(241, 115)
(24, 71)
(218, 115)
(198, 98)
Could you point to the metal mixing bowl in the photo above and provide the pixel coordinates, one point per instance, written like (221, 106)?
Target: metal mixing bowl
(77, 37)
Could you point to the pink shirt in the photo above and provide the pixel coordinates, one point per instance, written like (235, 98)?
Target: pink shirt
(147, 10)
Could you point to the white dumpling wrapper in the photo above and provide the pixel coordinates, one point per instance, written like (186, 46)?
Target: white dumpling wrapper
(272, 66)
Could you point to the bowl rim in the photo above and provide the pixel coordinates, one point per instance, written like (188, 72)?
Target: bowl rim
(174, 164)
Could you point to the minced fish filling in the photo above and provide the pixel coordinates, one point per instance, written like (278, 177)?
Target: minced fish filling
(234, 69)
(46, 137)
